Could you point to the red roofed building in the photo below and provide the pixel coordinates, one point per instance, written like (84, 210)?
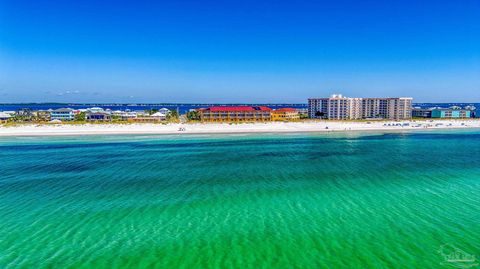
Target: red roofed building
(285, 114)
(235, 114)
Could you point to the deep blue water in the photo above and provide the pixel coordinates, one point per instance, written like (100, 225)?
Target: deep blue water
(183, 108)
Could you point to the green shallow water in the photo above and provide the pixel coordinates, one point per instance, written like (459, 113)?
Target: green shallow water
(364, 200)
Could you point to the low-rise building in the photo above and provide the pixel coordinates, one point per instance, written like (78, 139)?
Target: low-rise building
(473, 111)
(448, 113)
(62, 114)
(303, 112)
(235, 114)
(422, 112)
(285, 114)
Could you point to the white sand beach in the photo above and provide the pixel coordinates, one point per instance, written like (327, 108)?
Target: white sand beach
(212, 128)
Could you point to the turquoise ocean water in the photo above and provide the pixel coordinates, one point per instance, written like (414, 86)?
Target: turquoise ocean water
(361, 200)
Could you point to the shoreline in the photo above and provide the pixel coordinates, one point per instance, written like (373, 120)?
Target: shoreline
(227, 128)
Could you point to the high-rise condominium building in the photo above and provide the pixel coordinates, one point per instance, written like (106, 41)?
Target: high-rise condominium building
(339, 107)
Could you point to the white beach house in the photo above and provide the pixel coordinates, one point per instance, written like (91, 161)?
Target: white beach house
(4, 116)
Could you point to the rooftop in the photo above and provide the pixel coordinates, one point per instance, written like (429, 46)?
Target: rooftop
(238, 108)
(286, 109)
(63, 110)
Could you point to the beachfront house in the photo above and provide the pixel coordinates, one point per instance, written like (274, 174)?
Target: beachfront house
(24, 114)
(160, 115)
(235, 114)
(124, 115)
(62, 114)
(95, 109)
(154, 118)
(98, 116)
(285, 114)
(164, 110)
(4, 117)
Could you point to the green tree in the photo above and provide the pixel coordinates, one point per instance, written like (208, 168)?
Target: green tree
(21, 118)
(173, 115)
(80, 116)
(116, 118)
(193, 115)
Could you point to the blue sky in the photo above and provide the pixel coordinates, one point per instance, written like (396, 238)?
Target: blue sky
(238, 51)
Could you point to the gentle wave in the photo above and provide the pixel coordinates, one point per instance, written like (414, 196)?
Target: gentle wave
(273, 201)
